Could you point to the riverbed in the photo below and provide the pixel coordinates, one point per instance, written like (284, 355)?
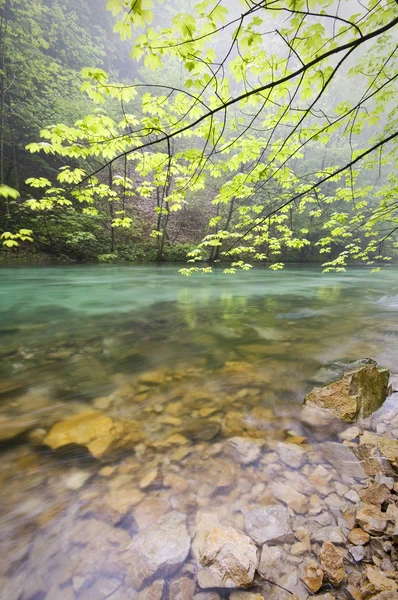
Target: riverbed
(158, 373)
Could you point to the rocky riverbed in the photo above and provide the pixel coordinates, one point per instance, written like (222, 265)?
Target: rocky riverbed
(181, 497)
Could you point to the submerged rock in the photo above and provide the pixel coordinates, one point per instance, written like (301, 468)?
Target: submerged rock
(229, 559)
(268, 524)
(93, 430)
(159, 550)
(359, 393)
(343, 460)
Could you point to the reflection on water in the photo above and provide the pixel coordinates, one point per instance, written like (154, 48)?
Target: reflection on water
(121, 389)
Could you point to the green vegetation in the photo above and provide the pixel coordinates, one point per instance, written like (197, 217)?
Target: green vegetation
(237, 133)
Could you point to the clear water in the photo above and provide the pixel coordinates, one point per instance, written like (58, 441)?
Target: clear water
(226, 356)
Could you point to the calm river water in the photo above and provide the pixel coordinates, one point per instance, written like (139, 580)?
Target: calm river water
(150, 374)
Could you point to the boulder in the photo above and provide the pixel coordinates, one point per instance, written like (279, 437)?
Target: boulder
(93, 430)
(343, 460)
(229, 559)
(159, 550)
(331, 560)
(268, 524)
(359, 393)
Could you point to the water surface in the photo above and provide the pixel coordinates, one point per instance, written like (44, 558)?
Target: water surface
(184, 364)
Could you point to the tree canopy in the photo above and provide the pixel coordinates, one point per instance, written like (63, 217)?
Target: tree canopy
(284, 113)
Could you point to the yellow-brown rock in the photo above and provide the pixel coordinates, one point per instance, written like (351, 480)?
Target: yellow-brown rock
(95, 431)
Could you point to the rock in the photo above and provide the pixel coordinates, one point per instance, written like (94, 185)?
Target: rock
(333, 534)
(350, 434)
(201, 430)
(358, 553)
(10, 427)
(298, 549)
(294, 499)
(229, 559)
(101, 589)
(156, 377)
(320, 478)
(76, 479)
(331, 561)
(371, 519)
(352, 496)
(376, 494)
(269, 557)
(153, 592)
(343, 460)
(380, 582)
(149, 479)
(291, 454)
(206, 596)
(149, 510)
(245, 596)
(387, 446)
(386, 596)
(373, 461)
(358, 537)
(312, 576)
(268, 524)
(93, 430)
(159, 550)
(246, 450)
(182, 589)
(358, 393)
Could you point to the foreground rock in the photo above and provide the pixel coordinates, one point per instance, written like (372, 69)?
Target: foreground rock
(159, 550)
(229, 559)
(358, 393)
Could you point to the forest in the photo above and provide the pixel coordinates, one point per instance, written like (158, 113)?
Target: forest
(235, 133)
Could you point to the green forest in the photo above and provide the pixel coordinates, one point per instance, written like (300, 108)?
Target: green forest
(203, 132)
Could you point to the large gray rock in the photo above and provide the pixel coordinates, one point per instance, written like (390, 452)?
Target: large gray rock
(229, 559)
(268, 524)
(359, 393)
(343, 460)
(159, 550)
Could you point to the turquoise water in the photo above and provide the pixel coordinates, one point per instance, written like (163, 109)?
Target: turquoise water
(184, 364)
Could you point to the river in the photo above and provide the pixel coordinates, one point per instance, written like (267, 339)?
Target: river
(169, 368)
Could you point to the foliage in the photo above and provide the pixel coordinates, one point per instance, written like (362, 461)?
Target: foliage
(286, 111)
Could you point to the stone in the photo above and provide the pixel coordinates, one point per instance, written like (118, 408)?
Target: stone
(350, 434)
(380, 582)
(358, 537)
(102, 588)
(298, 549)
(149, 510)
(270, 556)
(206, 596)
(352, 496)
(182, 589)
(152, 592)
(156, 377)
(245, 596)
(331, 561)
(358, 393)
(371, 519)
(95, 431)
(386, 596)
(358, 553)
(148, 479)
(10, 427)
(373, 461)
(333, 534)
(246, 450)
(268, 524)
(292, 455)
(343, 460)
(387, 446)
(375, 493)
(159, 550)
(294, 499)
(312, 576)
(76, 479)
(229, 559)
